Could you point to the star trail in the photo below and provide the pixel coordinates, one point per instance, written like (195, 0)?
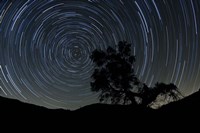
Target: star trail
(45, 45)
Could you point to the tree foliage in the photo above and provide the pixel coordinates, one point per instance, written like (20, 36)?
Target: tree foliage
(115, 79)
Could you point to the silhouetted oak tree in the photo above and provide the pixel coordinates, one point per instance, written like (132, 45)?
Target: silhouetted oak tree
(116, 81)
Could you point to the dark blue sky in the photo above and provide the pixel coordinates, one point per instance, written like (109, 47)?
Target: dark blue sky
(45, 45)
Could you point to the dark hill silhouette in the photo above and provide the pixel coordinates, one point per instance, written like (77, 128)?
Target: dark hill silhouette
(188, 105)
(113, 109)
(186, 110)
(13, 106)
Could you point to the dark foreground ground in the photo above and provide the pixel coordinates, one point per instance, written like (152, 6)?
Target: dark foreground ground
(185, 108)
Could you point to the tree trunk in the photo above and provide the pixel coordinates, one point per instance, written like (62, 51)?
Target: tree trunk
(132, 95)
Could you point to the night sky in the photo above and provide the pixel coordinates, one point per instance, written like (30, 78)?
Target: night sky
(45, 45)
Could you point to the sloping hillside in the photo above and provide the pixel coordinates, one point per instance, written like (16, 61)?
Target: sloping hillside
(188, 105)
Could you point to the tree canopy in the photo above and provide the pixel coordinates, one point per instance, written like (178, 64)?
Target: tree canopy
(114, 77)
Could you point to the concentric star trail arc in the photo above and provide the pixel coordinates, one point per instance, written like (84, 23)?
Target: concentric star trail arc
(45, 45)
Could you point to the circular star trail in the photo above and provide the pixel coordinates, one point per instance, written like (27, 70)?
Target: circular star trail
(45, 45)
